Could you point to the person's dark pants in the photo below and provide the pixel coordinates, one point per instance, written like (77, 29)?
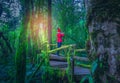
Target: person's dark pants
(58, 45)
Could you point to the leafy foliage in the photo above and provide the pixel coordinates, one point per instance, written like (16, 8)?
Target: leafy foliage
(88, 79)
(68, 18)
(94, 66)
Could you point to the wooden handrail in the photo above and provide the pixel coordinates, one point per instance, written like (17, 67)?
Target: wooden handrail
(84, 65)
(81, 58)
(62, 47)
(80, 50)
(58, 58)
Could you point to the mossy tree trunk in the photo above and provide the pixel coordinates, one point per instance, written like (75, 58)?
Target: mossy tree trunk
(103, 22)
(22, 47)
(36, 18)
(49, 21)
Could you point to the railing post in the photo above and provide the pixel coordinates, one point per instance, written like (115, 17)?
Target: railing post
(72, 62)
(71, 65)
(72, 68)
(47, 54)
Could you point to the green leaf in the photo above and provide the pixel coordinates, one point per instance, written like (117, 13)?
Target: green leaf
(83, 79)
(94, 66)
(91, 79)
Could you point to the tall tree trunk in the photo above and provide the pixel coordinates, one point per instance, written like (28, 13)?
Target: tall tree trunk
(22, 51)
(103, 18)
(49, 21)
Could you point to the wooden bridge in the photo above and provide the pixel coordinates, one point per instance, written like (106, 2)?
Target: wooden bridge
(64, 62)
(67, 62)
(76, 71)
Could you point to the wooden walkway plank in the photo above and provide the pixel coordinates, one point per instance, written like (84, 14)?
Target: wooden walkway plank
(61, 63)
(57, 58)
(62, 58)
(81, 71)
(57, 64)
(78, 71)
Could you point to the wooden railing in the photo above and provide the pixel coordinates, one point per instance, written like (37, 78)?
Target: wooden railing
(81, 58)
(61, 48)
(69, 57)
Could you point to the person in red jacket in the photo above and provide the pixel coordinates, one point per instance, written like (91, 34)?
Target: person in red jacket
(59, 39)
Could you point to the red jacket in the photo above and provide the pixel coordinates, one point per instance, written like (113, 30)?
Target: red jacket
(59, 37)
